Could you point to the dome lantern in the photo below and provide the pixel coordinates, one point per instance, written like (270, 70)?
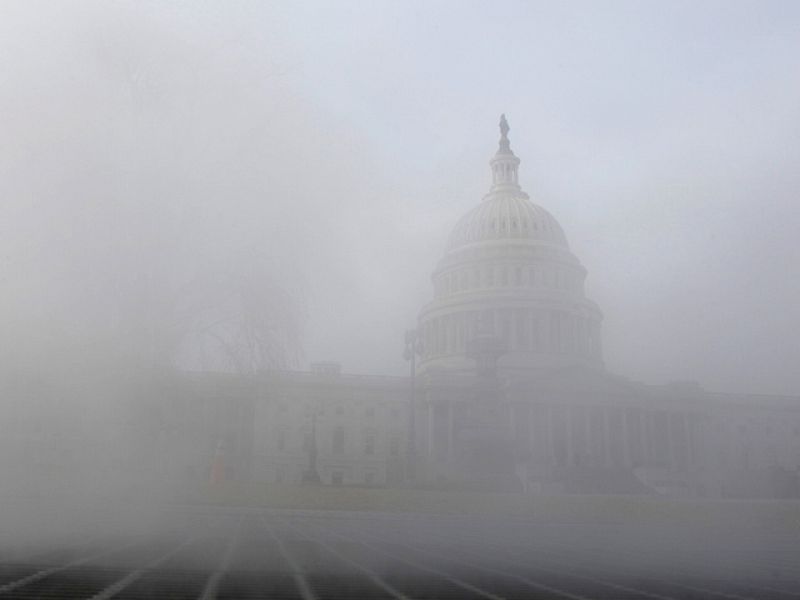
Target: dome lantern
(504, 164)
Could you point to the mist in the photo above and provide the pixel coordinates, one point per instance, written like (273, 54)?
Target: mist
(251, 302)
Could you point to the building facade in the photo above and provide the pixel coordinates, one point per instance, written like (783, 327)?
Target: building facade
(509, 392)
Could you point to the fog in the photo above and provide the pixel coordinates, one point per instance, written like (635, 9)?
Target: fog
(292, 132)
(219, 220)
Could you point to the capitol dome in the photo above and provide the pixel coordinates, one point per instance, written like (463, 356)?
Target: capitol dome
(507, 269)
(507, 217)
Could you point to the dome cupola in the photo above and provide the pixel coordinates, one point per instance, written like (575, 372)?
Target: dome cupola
(504, 164)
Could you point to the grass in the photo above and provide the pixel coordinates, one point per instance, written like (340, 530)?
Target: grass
(771, 514)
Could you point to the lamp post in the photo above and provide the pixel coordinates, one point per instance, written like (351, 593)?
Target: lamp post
(312, 473)
(413, 347)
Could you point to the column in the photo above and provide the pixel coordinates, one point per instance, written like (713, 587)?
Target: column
(607, 459)
(570, 436)
(649, 442)
(626, 451)
(431, 430)
(539, 424)
(551, 438)
(449, 430)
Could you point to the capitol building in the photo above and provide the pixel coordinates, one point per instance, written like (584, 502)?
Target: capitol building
(507, 391)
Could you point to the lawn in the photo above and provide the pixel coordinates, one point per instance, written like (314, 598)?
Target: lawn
(772, 514)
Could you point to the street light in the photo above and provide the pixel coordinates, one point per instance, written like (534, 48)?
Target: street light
(413, 348)
(311, 474)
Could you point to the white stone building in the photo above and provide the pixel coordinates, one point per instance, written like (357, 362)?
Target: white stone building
(510, 390)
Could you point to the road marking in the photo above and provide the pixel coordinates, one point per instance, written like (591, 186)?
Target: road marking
(369, 573)
(298, 574)
(558, 558)
(13, 585)
(529, 582)
(212, 584)
(116, 587)
(444, 575)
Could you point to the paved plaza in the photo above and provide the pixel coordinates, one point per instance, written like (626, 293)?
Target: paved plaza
(227, 554)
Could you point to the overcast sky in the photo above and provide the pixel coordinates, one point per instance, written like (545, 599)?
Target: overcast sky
(344, 140)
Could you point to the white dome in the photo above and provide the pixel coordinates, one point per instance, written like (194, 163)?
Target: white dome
(506, 217)
(508, 271)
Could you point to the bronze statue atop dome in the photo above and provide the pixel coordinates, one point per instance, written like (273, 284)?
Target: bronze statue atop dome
(504, 126)
(505, 145)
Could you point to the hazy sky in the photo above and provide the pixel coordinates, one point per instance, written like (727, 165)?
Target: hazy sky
(344, 140)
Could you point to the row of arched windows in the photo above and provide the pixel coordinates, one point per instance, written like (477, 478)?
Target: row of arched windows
(490, 276)
(523, 329)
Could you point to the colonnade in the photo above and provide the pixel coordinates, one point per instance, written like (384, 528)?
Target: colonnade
(600, 435)
(523, 329)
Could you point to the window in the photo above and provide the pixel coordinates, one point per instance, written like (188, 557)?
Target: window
(569, 333)
(307, 442)
(394, 446)
(281, 439)
(395, 413)
(369, 478)
(521, 330)
(369, 444)
(486, 324)
(338, 440)
(505, 325)
(337, 477)
(339, 409)
(472, 324)
(370, 412)
(555, 331)
(428, 345)
(451, 333)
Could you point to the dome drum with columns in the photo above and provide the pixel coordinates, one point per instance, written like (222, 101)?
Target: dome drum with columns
(507, 266)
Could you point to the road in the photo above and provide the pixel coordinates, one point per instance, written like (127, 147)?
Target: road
(210, 554)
